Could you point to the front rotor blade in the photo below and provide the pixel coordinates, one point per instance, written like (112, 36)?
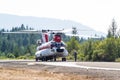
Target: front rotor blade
(24, 32)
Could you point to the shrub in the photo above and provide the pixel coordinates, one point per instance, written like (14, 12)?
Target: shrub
(117, 60)
(22, 57)
(10, 55)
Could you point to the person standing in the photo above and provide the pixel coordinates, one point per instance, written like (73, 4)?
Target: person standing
(75, 56)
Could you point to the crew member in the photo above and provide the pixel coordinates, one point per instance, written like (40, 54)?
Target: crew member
(75, 56)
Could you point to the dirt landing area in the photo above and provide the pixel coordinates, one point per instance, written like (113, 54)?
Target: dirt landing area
(19, 70)
(29, 74)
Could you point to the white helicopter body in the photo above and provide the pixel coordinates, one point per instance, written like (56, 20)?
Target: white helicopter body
(50, 50)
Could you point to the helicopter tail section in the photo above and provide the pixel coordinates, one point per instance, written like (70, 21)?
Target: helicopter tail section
(45, 37)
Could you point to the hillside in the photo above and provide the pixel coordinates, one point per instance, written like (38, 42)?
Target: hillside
(8, 21)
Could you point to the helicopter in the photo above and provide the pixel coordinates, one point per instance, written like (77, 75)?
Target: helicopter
(50, 50)
(47, 49)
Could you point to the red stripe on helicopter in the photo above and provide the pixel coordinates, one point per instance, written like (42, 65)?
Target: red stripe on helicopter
(46, 37)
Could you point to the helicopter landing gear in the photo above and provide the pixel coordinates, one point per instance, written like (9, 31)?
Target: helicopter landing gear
(63, 59)
(54, 58)
(44, 59)
(36, 59)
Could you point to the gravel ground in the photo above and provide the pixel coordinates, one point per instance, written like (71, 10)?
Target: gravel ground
(19, 70)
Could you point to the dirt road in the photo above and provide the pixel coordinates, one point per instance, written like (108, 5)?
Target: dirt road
(20, 70)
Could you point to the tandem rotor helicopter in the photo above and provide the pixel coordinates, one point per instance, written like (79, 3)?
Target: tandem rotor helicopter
(49, 49)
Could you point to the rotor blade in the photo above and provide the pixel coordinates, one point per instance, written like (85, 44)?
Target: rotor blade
(77, 35)
(70, 30)
(31, 31)
(21, 32)
(51, 31)
(24, 32)
(66, 30)
(84, 36)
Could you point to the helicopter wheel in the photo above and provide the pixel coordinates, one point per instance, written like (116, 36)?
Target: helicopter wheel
(54, 58)
(63, 59)
(51, 60)
(36, 59)
(44, 59)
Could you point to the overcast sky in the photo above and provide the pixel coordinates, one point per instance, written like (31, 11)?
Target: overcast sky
(97, 14)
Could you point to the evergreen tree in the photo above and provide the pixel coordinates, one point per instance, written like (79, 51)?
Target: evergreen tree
(112, 29)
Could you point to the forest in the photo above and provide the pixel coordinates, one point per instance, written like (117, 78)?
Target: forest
(23, 46)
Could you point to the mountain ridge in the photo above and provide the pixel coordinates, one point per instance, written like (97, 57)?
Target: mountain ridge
(8, 21)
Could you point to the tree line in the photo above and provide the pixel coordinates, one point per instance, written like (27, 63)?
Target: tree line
(24, 45)
(107, 49)
(17, 45)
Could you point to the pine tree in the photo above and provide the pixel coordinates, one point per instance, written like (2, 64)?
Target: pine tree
(112, 29)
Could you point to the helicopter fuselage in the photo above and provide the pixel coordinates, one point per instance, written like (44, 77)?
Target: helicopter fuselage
(51, 50)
